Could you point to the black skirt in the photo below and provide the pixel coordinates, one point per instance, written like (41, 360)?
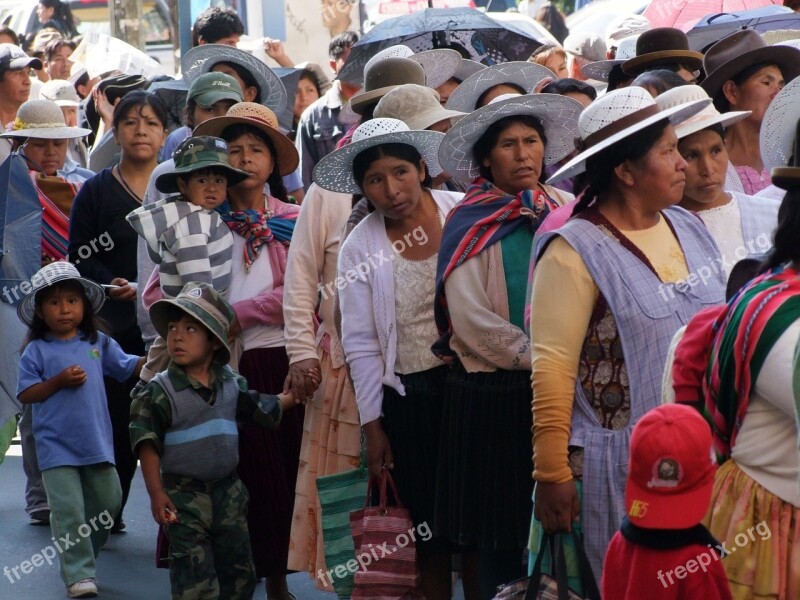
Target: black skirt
(484, 478)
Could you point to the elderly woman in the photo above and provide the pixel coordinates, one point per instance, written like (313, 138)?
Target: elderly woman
(484, 498)
(389, 265)
(743, 73)
(625, 270)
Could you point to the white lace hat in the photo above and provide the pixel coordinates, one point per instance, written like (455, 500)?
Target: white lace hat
(707, 117)
(779, 127)
(519, 73)
(56, 271)
(558, 115)
(335, 171)
(616, 116)
(43, 119)
(439, 64)
(416, 105)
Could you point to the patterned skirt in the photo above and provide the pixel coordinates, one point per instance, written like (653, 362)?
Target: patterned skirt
(331, 444)
(764, 531)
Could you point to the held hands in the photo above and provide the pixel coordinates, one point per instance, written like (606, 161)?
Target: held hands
(303, 379)
(163, 509)
(73, 376)
(125, 291)
(379, 451)
(292, 398)
(556, 505)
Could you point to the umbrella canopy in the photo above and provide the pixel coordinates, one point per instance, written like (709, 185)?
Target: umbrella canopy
(483, 38)
(684, 14)
(701, 37)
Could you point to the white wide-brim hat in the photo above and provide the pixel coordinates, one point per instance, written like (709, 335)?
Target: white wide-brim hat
(53, 273)
(202, 59)
(616, 116)
(779, 127)
(335, 171)
(439, 64)
(558, 115)
(709, 116)
(519, 73)
(43, 119)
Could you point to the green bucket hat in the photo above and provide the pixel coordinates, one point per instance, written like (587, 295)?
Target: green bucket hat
(202, 302)
(195, 154)
(212, 87)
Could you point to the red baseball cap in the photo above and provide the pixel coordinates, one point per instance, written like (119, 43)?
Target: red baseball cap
(671, 469)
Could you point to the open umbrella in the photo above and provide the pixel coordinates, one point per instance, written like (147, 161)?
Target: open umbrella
(702, 36)
(483, 38)
(683, 14)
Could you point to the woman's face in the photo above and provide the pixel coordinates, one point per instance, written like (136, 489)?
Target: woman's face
(70, 115)
(249, 93)
(305, 95)
(660, 175)
(757, 92)
(516, 159)
(557, 63)
(249, 153)
(140, 134)
(43, 13)
(394, 186)
(707, 165)
(50, 155)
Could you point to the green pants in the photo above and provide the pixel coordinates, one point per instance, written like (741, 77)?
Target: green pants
(210, 555)
(83, 502)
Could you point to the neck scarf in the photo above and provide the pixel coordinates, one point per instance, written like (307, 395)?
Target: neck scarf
(258, 229)
(744, 334)
(56, 196)
(484, 217)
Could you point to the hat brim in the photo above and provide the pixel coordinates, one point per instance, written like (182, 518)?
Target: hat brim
(53, 133)
(785, 57)
(67, 103)
(724, 119)
(202, 59)
(286, 153)
(676, 115)
(26, 311)
(158, 317)
(335, 171)
(690, 59)
(778, 127)
(680, 509)
(785, 177)
(167, 183)
(601, 69)
(524, 74)
(359, 102)
(467, 69)
(208, 99)
(431, 117)
(439, 65)
(22, 63)
(558, 114)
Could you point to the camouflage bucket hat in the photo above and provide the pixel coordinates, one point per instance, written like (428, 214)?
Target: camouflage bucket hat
(202, 302)
(195, 154)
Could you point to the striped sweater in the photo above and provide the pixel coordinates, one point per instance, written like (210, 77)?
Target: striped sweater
(188, 242)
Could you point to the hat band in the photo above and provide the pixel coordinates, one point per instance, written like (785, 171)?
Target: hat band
(620, 124)
(20, 125)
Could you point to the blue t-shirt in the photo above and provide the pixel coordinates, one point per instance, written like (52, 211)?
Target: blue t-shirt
(72, 427)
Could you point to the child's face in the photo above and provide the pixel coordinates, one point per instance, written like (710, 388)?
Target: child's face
(208, 190)
(189, 345)
(62, 312)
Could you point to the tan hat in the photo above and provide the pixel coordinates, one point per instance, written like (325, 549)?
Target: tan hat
(416, 105)
(586, 45)
(43, 119)
(383, 76)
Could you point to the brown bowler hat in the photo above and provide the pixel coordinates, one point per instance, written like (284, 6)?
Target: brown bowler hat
(786, 178)
(743, 49)
(662, 46)
(383, 76)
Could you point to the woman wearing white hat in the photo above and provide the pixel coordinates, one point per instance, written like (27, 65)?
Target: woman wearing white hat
(387, 269)
(624, 270)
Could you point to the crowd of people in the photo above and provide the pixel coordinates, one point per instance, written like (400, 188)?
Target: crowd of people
(549, 296)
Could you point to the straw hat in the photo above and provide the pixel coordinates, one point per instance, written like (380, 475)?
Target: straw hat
(662, 46)
(416, 105)
(779, 126)
(520, 73)
(777, 36)
(383, 76)
(60, 91)
(260, 117)
(743, 49)
(558, 115)
(616, 116)
(335, 171)
(685, 94)
(439, 65)
(467, 68)
(43, 119)
(202, 59)
(53, 273)
(601, 69)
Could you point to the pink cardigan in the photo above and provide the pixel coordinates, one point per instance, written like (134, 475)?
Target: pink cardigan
(263, 309)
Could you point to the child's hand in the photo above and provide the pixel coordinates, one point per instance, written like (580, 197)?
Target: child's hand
(73, 376)
(287, 401)
(163, 510)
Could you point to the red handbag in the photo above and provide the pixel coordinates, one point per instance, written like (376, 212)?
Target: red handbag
(386, 553)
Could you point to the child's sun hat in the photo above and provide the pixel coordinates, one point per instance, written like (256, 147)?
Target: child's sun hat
(51, 274)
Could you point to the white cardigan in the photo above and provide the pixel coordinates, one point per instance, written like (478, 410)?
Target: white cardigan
(366, 297)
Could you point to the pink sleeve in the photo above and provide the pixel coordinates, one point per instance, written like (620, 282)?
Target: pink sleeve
(152, 290)
(264, 309)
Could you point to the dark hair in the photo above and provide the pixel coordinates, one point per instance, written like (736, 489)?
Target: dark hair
(786, 244)
(341, 43)
(660, 80)
(214, 24)
(174, 314)
(488, 140)
(6, 30)
(203, 173)
(139, 99)
(482, 97)
(276, 187)
(742, 272)
(62, 15)
(309, 75)
(89, 326)
(599, 171)
(406, 152)
(55, 45)
(721, 102)
(567, 85)
(552, 20)
(617, 78)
